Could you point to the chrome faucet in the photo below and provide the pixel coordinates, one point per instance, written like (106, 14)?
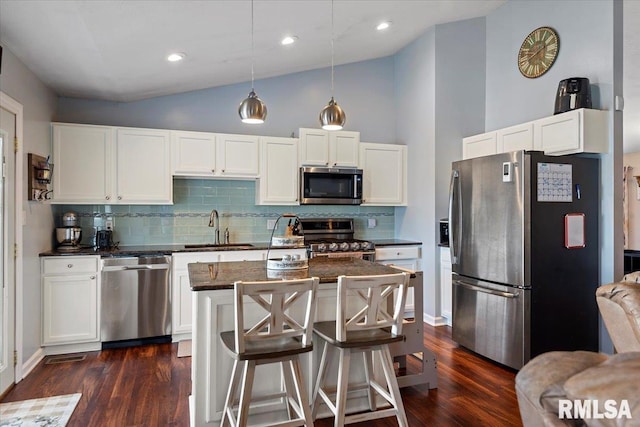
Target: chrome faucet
(214, 221)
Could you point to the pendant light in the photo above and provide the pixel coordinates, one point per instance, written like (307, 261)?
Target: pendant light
(252, 110)
(332, 117)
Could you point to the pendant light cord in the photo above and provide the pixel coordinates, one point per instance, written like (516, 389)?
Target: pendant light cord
(331, 48)
(252, 48)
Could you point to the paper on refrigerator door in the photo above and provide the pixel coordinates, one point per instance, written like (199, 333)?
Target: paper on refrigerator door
(555, 182)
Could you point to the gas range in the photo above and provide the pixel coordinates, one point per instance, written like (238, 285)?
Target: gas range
(333, 237)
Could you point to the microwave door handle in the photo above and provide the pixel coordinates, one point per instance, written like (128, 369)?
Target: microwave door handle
(452, 184)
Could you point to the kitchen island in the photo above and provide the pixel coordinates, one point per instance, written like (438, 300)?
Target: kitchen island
(212, 286)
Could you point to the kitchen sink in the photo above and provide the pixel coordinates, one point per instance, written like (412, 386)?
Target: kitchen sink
(219, 246)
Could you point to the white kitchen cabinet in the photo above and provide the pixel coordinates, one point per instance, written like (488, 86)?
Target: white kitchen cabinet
(445, 284)
(108, 165)
(206, 154)
(193, 153)
(480, 145)
(319, 147)
(278, 183)
(403, 256)
(514, 138)
(182, 298)
(70, 300)
(143, 166)
(384, 174)
(83, 163)
(577, 131)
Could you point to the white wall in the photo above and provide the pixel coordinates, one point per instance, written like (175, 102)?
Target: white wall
(39, 105)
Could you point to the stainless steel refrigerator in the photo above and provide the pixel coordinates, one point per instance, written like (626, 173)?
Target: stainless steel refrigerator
(525, 254)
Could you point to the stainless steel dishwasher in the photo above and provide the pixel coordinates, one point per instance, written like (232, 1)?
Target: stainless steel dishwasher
(136, 302)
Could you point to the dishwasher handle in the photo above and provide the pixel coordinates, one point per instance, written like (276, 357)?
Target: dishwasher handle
(486, 290)
(136, 267)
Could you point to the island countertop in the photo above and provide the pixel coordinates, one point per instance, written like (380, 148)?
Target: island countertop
(222, 275)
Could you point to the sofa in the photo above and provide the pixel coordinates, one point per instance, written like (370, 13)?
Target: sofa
(582, 388)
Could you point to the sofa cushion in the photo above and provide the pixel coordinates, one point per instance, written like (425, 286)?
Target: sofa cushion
(541, 380)
(625, 294)
(618, 379)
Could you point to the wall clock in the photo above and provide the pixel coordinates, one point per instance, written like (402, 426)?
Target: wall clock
(538, 52)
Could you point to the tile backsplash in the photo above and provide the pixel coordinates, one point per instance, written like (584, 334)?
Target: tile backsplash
(187, 220)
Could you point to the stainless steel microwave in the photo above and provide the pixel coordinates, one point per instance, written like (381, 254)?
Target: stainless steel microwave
(330, 186)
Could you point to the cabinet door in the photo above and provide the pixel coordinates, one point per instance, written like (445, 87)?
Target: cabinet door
(278, 184)
(343, 148)
(479, 145)
(237, 155)
(193, 153)
(515, 138)
(70, 309)
(143, 166)
(445, 284)
(384, 174)
(559, 133)
(82, 158)
(314, 147)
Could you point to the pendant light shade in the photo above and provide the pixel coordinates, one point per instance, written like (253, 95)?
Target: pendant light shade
(332, 117)
(252, 110)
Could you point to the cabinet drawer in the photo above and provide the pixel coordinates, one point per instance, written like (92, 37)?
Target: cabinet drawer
(68, 265)
(397, 252)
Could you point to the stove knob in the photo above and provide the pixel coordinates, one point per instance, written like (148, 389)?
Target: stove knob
(368, 246)
(344, 246)
(355, 246)
(321, 247)
(333, 247)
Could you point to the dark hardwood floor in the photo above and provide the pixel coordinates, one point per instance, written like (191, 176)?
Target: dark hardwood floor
(149, 386)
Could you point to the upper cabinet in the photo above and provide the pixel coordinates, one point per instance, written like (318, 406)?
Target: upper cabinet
(576, 131)
(319, 147)
(83, 160)
(278, 183)
(204, 154)
(143, 166)
(107, 165)
(384, 174)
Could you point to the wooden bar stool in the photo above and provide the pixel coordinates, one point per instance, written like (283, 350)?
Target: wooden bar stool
(371, 329)
(276, 338)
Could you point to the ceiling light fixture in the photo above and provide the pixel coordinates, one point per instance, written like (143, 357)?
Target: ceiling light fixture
(383, 25)
(252, 110)
(332, 117)
(175, 57)
(289, 40)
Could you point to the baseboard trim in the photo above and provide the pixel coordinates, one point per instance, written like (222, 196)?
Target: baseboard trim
(434, 320)
(30, 364)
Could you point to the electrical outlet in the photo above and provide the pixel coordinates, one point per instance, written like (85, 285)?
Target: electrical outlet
(271, 224)
(108, 224)
(371, 223)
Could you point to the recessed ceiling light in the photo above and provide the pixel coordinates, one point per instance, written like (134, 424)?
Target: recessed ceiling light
(289, 40)
(383, 25)
(175, 57)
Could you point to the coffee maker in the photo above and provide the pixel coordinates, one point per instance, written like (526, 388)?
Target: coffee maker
(573, 93)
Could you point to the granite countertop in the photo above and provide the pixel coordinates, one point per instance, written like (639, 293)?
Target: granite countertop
(222, 275)
(169, 249)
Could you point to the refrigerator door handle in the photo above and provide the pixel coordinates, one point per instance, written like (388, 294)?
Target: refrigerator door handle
(487, 291)
(454, 177)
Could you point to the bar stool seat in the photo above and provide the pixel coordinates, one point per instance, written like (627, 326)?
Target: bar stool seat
(363, 325)
(280, 336)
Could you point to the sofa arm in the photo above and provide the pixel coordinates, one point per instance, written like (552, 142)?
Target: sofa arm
(619, 305)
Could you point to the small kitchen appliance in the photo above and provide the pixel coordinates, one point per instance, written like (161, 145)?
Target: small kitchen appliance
(68, 236)
(573, 93)
(104, 239)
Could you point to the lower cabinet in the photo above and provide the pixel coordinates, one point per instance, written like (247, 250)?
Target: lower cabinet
(403, 256)
(181, 305)
(70, 300)
(445, 284)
